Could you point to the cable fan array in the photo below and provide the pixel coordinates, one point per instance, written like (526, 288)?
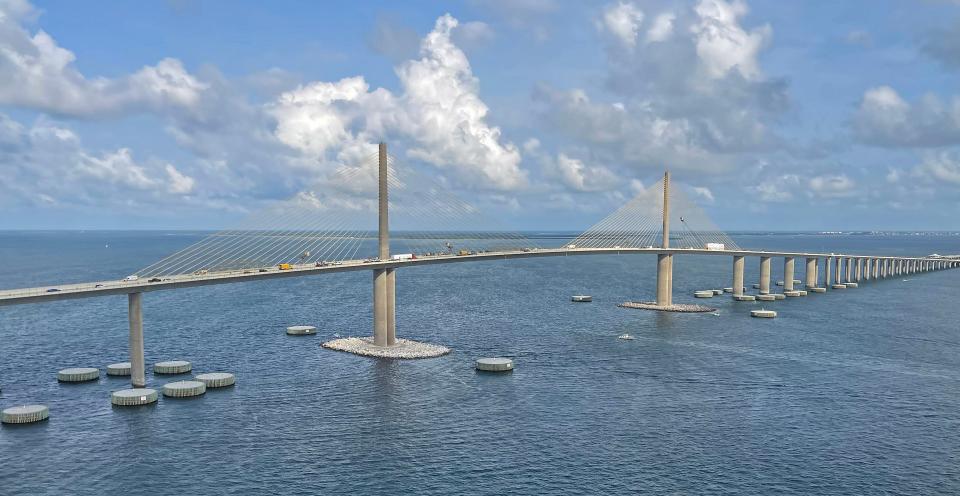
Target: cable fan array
(337, 221)
(639, 224)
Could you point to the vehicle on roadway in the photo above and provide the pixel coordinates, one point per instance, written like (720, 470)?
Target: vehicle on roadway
(98, 285)
(200, 272)
(284, 266)
(53, 290)
(262, 270)
(131, 278)
(155, 279)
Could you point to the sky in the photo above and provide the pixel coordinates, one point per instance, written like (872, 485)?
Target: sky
(544, 114)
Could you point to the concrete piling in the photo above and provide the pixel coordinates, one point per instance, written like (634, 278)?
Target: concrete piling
(738, 262)
(138, 375)
(788, 274)
(811, 274)
(664, 260)
(25, 414)
(764, 275)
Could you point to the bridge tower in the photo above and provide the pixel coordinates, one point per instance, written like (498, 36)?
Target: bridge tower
(665, 260)
(384, 280)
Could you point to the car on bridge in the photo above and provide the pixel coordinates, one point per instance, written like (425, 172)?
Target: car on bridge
(131, 278)
(53, 290)
(155, 279)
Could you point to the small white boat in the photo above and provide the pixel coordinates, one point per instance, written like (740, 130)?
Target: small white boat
(626, 337)
(581, 298)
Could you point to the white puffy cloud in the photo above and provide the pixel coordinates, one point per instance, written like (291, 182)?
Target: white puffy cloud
(662, 27)
(778, 189)
(622, 20)
(705, 193)
(692, 96)
(884, 118)
(439, 116)
(722, 44)
(579, 176)
(36, 72)
(832, 186)
(447, 116)
(942, 167)
(47, 163)
(634, 136)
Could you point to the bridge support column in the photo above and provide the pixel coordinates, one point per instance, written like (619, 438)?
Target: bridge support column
(138, 376)
(380, 307)
(665, 260)
(788, 273)
(838, 268)
(828, 272)
(811, 274)
(764, 275)
(391, 307)
(866, 269)
(738, 275)
(384, 305)
(664, 280)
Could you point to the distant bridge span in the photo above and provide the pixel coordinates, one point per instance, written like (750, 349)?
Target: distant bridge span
(115, 287)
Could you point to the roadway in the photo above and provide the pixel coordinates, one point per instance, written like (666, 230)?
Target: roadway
(118, 287)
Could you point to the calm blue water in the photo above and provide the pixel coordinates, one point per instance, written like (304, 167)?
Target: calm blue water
(851, 392)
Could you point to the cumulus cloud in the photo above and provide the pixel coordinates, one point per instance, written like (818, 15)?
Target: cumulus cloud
(722, 44)
(690, 97)
(48, 163)
(884, 118)
(704, 192)
(36, 72)
(579, 176)
(779, 189)
(635, 136)
(662, 27)
(622, 20)
(832, 186)
(439, 115)
(940, 167)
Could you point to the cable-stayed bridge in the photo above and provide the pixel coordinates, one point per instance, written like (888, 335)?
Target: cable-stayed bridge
(346, 224)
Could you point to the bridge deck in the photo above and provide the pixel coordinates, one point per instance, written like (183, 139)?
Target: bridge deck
(106, 288)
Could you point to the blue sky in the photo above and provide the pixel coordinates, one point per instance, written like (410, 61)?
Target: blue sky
(543, 113)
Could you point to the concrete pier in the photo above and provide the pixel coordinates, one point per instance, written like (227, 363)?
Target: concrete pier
(787, 274)
(665, 261)
(764, 275)
(838, 270)
(827, 272)
(866, 268)
(391, 307)
(859, 270)
(664, 280)
(138, 375)
(811, 275)
(381, 307)
(738, 262)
